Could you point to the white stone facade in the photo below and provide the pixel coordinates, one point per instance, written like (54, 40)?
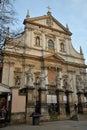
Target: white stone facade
(45, 42)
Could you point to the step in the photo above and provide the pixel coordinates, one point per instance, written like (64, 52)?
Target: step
(82, 117)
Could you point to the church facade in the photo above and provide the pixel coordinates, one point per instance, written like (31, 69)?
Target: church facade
(45, 73)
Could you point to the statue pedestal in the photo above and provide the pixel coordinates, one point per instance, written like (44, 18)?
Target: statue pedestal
(30, 105)
(70, 105)
(60, 95)
(43, 104)
(80, 94)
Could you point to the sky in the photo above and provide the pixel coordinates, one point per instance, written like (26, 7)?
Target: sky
(71, 12)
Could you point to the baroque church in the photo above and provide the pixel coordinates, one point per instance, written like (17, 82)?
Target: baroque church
(42, 72)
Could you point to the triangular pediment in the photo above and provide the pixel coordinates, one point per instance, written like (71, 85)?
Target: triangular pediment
(54, 57)
(50, 22)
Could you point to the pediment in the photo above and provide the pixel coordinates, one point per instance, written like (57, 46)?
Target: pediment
(50, 22)
(54, 57)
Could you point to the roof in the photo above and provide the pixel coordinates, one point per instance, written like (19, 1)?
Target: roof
(4, 88)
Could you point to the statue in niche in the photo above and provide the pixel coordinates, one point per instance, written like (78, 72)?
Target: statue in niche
(17, 80)
(37, 41)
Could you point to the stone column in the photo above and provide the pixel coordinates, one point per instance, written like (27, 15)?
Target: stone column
(61, 105)
(42, 100)
(43, 97)
(70, 104)
(80, 94)
(46, 80)
(60, 94)
(30, 105)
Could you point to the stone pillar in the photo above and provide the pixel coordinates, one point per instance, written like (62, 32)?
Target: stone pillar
(61, 105)
(43, 97)
(70, 104)
(42, 100)
(46, 79)
(30, 105)
(80, 94)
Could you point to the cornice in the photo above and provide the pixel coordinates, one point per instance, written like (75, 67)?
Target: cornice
(17, 55)
(76, 64)
(71, 56)
(39, 58)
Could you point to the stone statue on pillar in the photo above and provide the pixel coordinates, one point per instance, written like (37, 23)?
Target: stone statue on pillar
(79, 83)
(67, 83)
(29, 77)
(42, 79)
(59, 79)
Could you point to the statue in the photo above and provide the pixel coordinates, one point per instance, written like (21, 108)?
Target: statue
(79, 83)
(67, 83)
(41, 81)
(59, 79)
(29, 76)
(85, 82)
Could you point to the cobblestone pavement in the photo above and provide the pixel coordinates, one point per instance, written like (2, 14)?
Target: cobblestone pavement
(57, 125)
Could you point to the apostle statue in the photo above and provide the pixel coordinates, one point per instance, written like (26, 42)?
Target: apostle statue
(67, 83)
(29, 77)
(59, 79)
(42, 79)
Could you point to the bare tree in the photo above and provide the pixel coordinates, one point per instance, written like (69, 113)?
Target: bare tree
(7, 17)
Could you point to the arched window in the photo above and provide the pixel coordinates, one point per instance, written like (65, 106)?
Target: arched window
(62, 47)
(50, 44)
(37, 41)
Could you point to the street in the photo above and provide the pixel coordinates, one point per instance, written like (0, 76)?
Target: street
(57, 125)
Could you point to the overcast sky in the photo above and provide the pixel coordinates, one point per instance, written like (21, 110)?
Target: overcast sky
(71, 12)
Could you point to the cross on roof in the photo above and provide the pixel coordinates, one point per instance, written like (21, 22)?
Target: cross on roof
(49, 8)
